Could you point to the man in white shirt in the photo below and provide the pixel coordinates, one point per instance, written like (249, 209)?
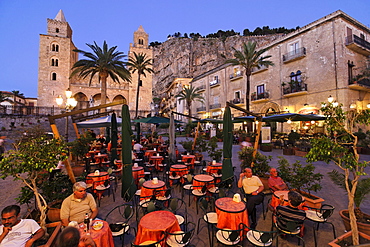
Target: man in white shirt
(16, 232)
(253, 188)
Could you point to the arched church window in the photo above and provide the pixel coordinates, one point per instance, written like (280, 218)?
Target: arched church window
(141, 41)
(57, 30)
(54, 76)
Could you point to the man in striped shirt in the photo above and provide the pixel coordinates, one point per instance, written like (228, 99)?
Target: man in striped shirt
(290, 212)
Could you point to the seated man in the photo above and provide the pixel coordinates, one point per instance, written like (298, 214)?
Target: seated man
(137, 147)
(291, 212)
(76, 206)
(275, 182)
(252, 187)
(18, 232)
(70, 237)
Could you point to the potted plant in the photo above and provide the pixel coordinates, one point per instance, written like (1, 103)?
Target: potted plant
(213, 152)
(346, 240)
(259, 165)
(340, 146)
(303, 179)
(33, 155)
(266, 147)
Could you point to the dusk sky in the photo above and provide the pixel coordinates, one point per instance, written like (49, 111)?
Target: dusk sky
(21, 22)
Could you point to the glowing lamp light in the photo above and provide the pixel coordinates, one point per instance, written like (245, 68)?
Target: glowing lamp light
(352, 106)
(312, 122)
(68, 93)
(289, 121)
(59, 100)
(256, 122)
(368, 105)
(335, 104)
(245, 122)
(330, 99)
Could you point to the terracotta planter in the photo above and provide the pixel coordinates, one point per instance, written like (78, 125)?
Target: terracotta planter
(78, 170)
(364, 238)
(300, 153)
(311, 200)
(362, 227)
(53, 212)
(266, 148)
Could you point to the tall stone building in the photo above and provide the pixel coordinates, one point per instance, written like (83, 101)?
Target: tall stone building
(56, 58)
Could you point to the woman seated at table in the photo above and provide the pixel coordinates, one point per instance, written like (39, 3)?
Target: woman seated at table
(76, 206)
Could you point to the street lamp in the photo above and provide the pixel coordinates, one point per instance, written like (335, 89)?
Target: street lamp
(71, 103)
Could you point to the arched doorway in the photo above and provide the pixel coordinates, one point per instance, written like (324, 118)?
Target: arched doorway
(82, 101)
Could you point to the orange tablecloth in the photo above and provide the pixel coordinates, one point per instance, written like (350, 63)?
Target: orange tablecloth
(118, 163)
(201, 179)
(180, 170)
(275, 200)
(189, 159)
(148, 189)
(91, 178)
(213, 168)
(102, 237)
(137, 173)
(100, 158)
(150, 153)
(153, 224)
(157, 160)
(231, 213)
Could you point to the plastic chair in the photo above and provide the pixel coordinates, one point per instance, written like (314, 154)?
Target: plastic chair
(181, 238)
(292, 228)
(207, 205)
(126, 211)
(259, 238)
(320, 216)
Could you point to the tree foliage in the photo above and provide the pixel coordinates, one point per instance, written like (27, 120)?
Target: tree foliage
(190, 94)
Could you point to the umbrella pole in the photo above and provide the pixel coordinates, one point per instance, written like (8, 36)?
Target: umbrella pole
(196, 136)
(257, 139)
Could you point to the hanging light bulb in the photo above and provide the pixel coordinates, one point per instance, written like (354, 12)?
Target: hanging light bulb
(256, 122)
(368, 106)
(330, 98)
(323, 105)
(289, 121)
(352, 106)
(335, 103)
(312, 122)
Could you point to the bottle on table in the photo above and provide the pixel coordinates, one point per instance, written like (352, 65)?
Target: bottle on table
(87, 222)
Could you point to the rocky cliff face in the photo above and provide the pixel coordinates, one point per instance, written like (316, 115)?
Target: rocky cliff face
(188, 58)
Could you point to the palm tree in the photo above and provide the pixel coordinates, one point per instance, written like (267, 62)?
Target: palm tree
(249, 58)
(105, 62)
(141, 64)
(190, 94)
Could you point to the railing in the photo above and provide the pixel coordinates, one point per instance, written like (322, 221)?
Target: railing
(214, 83)
(299, 87)
(264, 95)
(362, 82)
(301, 52)
(235, 75)
(237, 101)
(202, 87)
(357, 40)
(215, 106)
(261, 68)
(202, 108)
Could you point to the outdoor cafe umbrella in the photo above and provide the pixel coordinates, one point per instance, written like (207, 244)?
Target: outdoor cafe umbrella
(114, 139)
(172, 137)
(292, 117)
(209, 120)
(153, 120)
(128, 185)
(227, 167)
(244, 119)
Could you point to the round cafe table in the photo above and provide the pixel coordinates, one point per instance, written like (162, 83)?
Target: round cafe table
(92, 177)
(149, 187)
(212, 168)
(152, 226)
(231, 213)
(180, 170)
(202, 179)
(137, 173)
(102, 237)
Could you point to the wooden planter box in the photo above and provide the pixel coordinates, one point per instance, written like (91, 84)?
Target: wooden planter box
(364, 238)
(288, 151)
(300, 153)
(266, 148)
(311, 200)
(362, 227)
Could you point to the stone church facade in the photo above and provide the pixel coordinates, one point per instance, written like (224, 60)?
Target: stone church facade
(56, 58)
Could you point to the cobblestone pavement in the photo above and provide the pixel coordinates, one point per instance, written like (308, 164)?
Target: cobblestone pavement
(332, 195)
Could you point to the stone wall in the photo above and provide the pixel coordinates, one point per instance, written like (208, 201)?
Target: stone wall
(188, 58)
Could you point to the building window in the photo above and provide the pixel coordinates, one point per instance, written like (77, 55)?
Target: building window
(294, 47)
(237, 95)
(54, 76)
(54, 62)
(57, 30)
(260, 89)
(350, 70)
(296, 76)
(55, 47)
(141, 41)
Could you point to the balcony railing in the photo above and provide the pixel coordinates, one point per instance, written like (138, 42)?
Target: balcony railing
(294, 55)
(358, 44)
(262, 68)
(215, 106)
(294, 88)
(255, 96)
(237, 101)
(215, 83)
(236, 75)
(202, 108)
(202, 87)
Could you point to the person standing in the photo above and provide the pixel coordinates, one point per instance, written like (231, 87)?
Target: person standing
(252, 187)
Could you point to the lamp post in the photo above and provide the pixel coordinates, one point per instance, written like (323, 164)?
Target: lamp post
(69, 106)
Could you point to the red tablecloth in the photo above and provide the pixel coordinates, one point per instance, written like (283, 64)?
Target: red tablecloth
(157, 160)
(189, 159)
(137, 173)
(152, 225)
(150, 153)
(213, 168)
(102, 237)
(201, 179)
(231, 213)
(180, 170)
(91, 178)
(148, 189)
